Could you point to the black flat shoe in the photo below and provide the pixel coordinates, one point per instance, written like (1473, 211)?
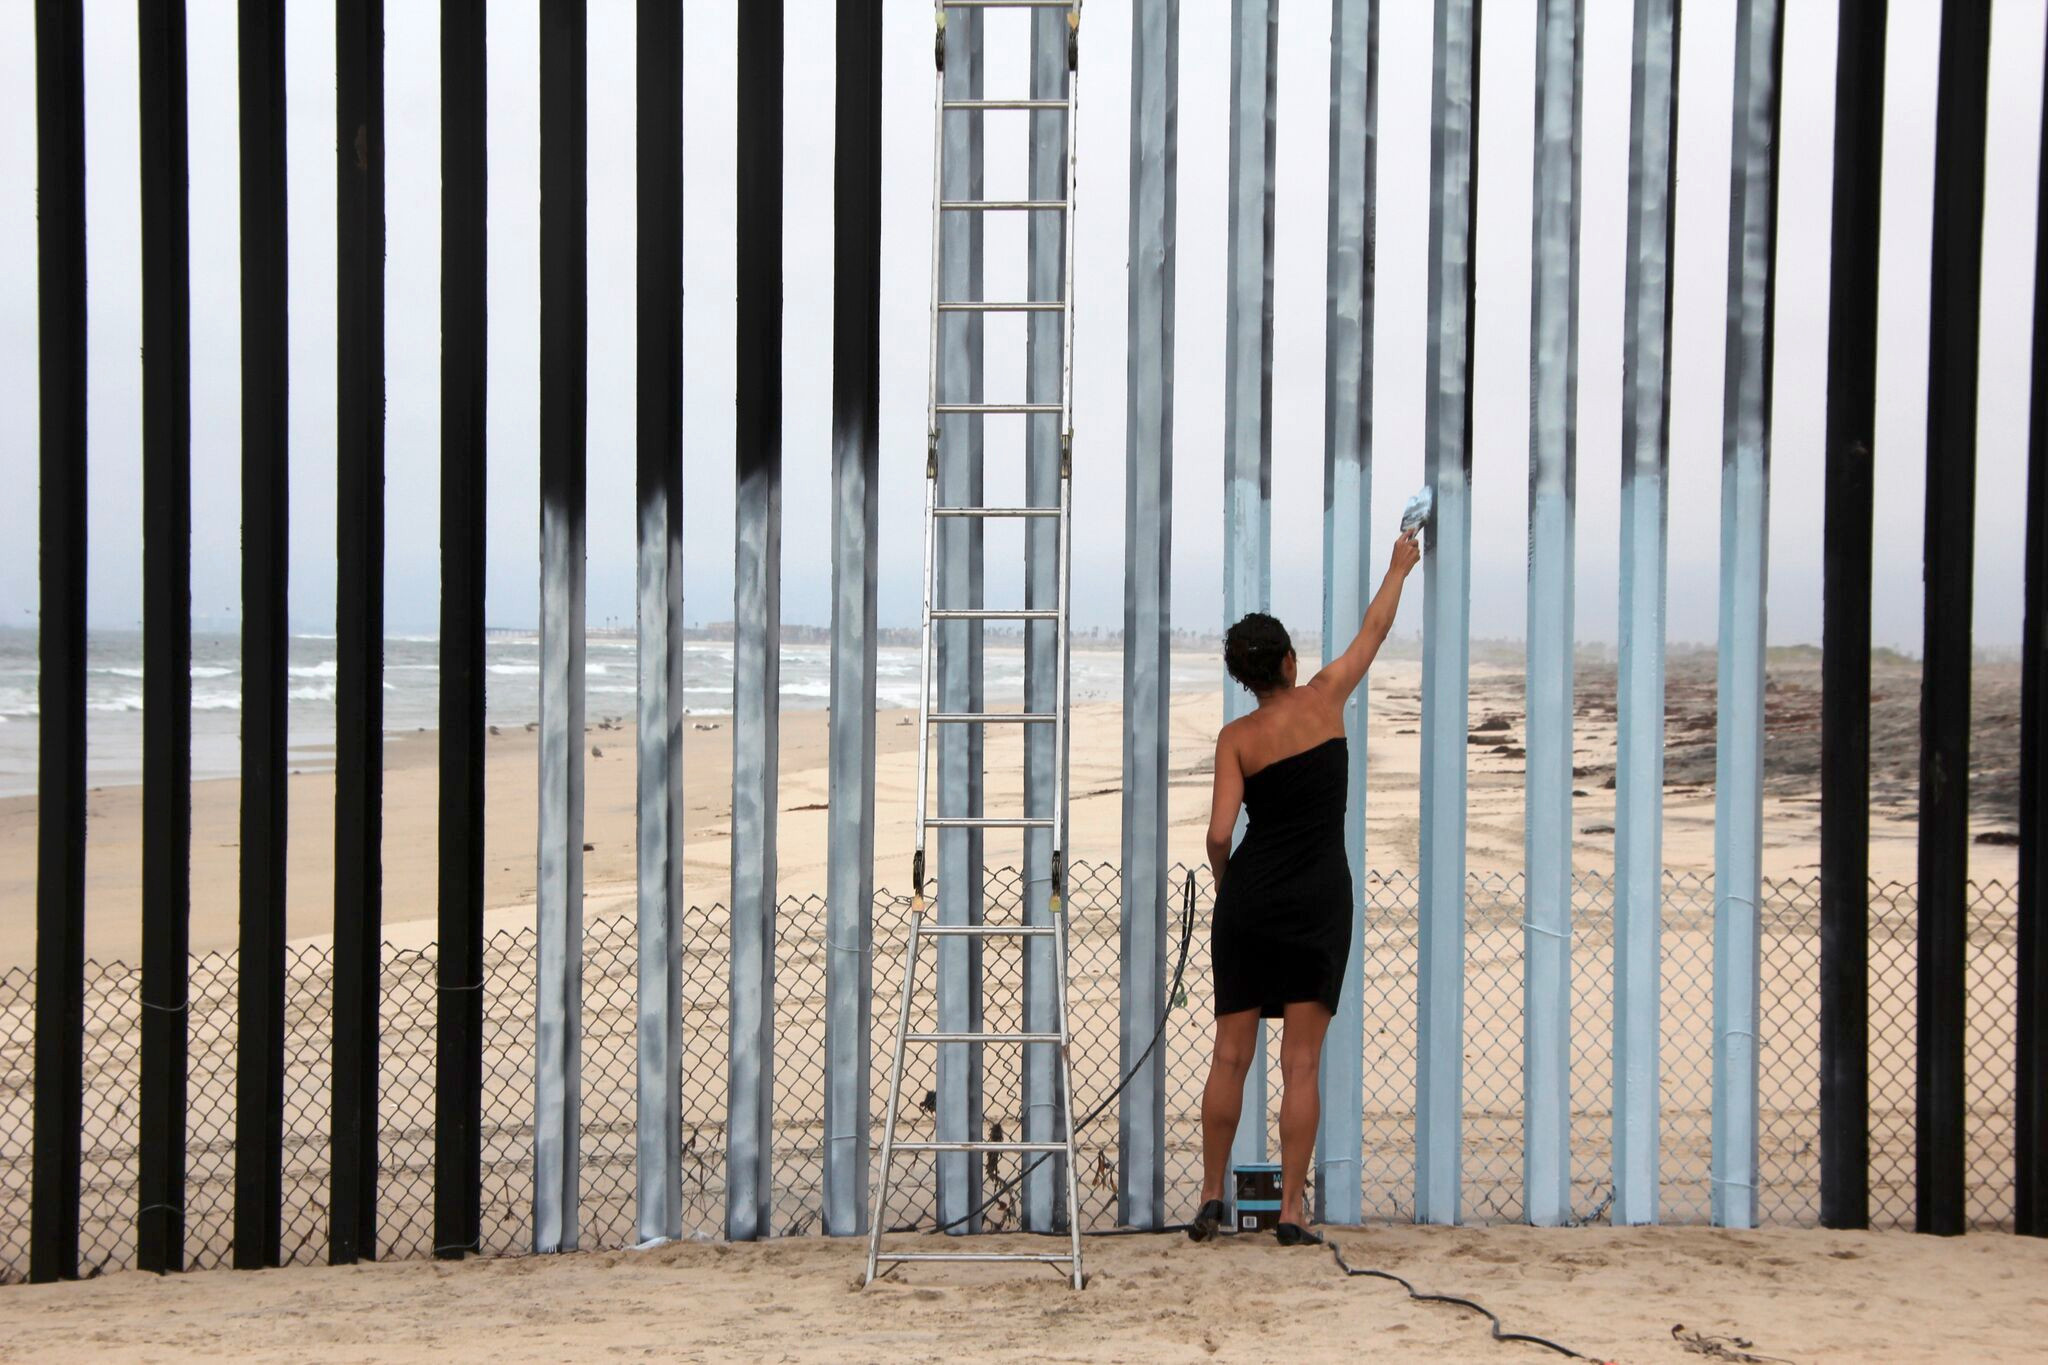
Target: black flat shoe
(1206, 1222)
(1295, 1235)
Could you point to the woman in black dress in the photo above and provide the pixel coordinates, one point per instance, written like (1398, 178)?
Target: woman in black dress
(1281, 933)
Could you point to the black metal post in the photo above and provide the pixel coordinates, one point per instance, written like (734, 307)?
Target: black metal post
(166, 638)
(1945, 680)
(358, 625)
(266, 640)
(60, 704)
(1845, 629)
(2030, 1072)
(458, 1051)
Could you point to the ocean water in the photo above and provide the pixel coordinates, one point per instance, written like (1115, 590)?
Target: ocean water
(412, 691)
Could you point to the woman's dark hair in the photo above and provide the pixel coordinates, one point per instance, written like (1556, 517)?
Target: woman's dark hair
(1254, 649)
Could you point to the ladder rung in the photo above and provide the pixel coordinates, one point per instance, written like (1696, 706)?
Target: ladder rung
(993, 717)
(995, 614)
(981, 1147)
(978, 105)
(981, 1038)
(985, 931)
(1036, 1257)
(1002, 205)
(987, 822)
(991, 409)
(995, 511)
(978, 306)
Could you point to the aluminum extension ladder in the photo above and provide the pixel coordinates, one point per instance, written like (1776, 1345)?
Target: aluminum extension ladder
(921, 932)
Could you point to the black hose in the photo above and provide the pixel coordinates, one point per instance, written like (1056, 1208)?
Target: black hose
(1455, 1301)
(1180, 967)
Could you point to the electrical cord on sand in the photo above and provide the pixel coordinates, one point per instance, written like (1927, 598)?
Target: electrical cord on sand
(1180, 966)
(1499, 1334)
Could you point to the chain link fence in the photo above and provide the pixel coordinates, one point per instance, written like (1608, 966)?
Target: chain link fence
(1788, 1069)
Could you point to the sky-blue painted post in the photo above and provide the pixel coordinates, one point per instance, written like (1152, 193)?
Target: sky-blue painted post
(1553, 498)
(1639, 687)
(959, 643)
(1148, 600)
(1248, 397)
(1745, 529)
(1446, 613)
(1347, 550)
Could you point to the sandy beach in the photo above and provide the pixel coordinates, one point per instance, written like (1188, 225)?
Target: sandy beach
(1613, 1294)
(1495, 816)
(1797, 1292)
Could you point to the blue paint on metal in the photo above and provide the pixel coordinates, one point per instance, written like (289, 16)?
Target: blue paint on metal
(1044, 1202)
(1553, 491)
(1639, 697)
(757, 626)
(558, 1014)
(856, 464)
(658, 618)
(1148, 538)
(1745, 534)
(559, 897)
(659, 859)
(1446, 662)
(1347, 552)
(959, 647)
(1247, 397)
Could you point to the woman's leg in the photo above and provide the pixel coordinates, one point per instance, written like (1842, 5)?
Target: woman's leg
(1223, 1096)
(1301, 1053)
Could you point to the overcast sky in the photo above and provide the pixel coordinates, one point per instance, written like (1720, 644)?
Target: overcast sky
(1501, 408)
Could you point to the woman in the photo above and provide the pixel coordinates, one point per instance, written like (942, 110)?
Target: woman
(1282, 928)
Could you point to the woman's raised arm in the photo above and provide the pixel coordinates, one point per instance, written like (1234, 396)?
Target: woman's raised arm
(1341, 676)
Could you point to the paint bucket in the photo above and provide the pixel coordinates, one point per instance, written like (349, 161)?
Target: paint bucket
(1257, 1187)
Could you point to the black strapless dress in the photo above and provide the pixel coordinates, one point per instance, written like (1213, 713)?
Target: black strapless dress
(1282, 927)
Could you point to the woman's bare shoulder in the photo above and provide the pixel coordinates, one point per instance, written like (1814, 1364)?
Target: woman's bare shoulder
(1320, 700)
